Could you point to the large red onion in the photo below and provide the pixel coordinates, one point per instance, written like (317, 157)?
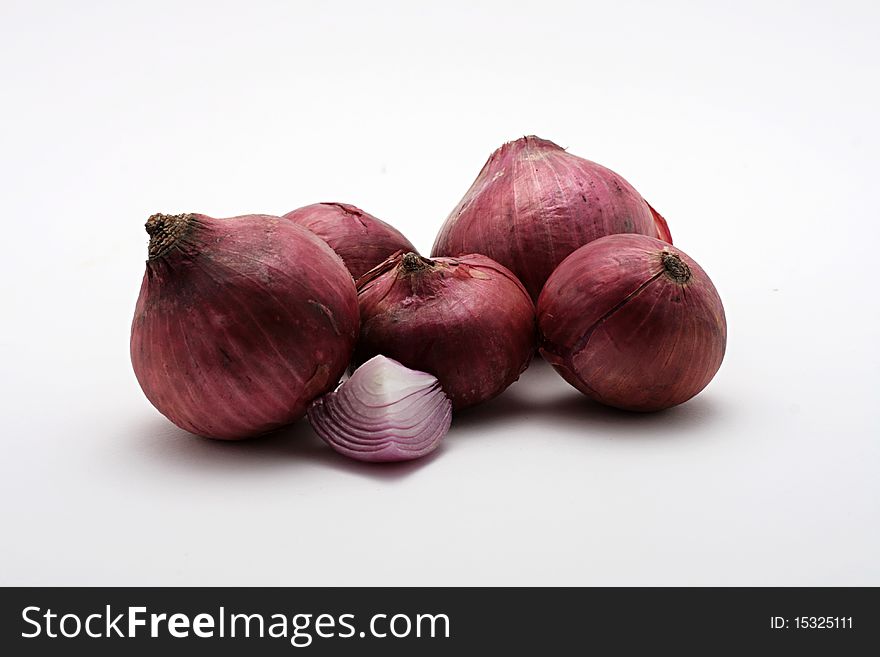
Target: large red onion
(360, 239)
(240, 322)
(384, 412)
(632, 322)
(467, 320)
(533, 204)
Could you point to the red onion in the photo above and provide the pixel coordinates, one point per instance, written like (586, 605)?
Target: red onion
(468, 321)
(384, 412)
(360, 239)
(533, 204)
(632, 322)
(240, 322)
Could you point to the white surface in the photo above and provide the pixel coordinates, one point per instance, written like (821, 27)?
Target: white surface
(751, 126)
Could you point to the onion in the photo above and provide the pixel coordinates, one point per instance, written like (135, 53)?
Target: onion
(468, 321)
(632, 322)
(384, 412)
(240, 322)
(533, 204)
(360, 239)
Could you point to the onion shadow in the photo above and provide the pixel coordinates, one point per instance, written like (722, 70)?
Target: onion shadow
(543, 395)
(294, 447)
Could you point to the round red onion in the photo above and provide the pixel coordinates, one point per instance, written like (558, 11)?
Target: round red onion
(533, 204)
(360, 239)
(632, 322)
(467, 320)
(240, 322)
(384, 412)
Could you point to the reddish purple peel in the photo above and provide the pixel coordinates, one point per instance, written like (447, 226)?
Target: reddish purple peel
(467, 320)
(633, 323)
(360, 239)
(240, 323)
(384, 413)
(662, 227)
(533, 204)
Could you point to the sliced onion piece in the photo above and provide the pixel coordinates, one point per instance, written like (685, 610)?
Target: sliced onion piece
(384, 412)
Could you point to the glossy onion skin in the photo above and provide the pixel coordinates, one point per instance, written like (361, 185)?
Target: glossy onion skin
(240, 323)
(533, 204)
(359, 238)
(467, 320)
(625, 328)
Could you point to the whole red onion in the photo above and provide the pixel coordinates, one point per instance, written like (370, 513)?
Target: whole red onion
(240, 322)
(632, 322)
(360, 239)
(467, 320)
(533, 204)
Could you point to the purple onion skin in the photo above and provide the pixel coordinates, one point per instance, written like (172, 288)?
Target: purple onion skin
(359, 238)
(240, 323)
(632, 322)
(466, 320)
(533, 204)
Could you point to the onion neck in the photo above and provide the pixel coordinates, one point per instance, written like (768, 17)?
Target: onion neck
(165, 230)
(676, 268)
(413, 262)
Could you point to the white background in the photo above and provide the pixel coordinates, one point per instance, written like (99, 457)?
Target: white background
(752, 126)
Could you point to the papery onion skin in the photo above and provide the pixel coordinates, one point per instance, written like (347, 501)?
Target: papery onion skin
(240, 322)
(359, 238)
(466, 320)
(372, 418)
(533, 204)
(632, 322)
